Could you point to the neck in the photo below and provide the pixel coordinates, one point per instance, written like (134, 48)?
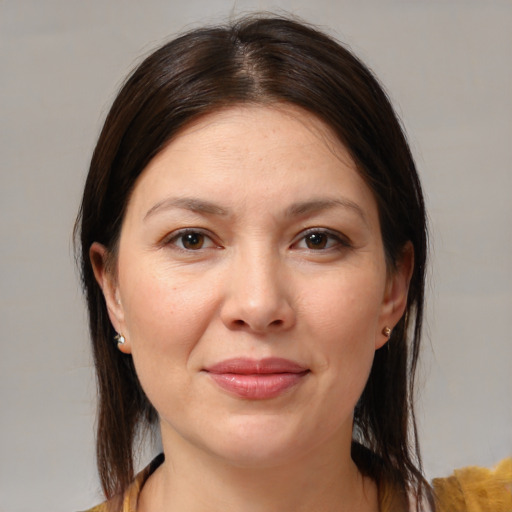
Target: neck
(325, 480)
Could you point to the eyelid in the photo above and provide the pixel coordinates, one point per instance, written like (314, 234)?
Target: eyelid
(175, 235)
(341, 239)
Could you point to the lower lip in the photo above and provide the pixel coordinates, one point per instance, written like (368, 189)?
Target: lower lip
(257, 386)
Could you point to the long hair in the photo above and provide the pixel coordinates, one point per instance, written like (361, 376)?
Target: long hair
(258, 60)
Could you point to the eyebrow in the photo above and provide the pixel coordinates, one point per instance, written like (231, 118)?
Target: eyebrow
(186, 203)
(295, 210)
(317, 205)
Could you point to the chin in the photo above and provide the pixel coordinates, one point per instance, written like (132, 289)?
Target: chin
(259, 442)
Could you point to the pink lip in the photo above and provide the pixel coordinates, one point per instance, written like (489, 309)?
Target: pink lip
(256, 379)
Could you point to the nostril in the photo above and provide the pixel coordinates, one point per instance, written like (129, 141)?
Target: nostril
(239, 323)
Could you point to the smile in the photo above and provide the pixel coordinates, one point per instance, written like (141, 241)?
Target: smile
(257, 379)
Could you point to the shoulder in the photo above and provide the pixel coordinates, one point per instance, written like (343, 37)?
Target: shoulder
(476, 489)
(127, 502)
(99, 508)
(110, 506)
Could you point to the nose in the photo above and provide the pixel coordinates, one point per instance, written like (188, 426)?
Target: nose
(258, 294)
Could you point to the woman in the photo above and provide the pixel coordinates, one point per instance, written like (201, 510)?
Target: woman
(253, 245)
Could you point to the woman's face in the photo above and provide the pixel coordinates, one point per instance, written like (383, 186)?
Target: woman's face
(251, 286)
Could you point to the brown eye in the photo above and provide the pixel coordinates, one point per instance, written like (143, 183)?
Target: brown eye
(192, 241)
(316, 240)
(321, 239)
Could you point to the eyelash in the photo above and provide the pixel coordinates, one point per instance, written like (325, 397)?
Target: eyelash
(176, 236)
(339, 240)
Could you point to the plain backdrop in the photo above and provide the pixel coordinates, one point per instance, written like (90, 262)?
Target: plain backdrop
(447, 67)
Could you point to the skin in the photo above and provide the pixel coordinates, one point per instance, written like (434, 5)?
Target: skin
(253, 284)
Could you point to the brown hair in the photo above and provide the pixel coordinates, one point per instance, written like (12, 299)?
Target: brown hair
(260, 60)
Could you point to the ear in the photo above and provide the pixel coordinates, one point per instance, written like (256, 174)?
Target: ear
(107, 280)
(396, 292)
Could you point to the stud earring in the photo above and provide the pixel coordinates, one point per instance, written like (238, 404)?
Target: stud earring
(386, 331)
(119, 339)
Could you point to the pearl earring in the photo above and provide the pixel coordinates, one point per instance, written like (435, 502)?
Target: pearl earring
(119, 339)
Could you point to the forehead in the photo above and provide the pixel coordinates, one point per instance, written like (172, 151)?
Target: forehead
(284, 120)
(277, 151)
(253, 134)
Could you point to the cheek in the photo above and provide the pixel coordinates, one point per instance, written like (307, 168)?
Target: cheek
(345, 310)
(165, 315)
(343, 322)
(166, 318)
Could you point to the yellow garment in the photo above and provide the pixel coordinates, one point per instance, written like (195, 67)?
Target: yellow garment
(475, 489)
(471, 489)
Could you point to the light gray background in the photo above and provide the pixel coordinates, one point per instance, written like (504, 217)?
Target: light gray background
(447, 65)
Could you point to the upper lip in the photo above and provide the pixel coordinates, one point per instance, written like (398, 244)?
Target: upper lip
(247, 366)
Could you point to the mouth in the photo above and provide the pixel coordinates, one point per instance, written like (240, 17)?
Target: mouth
(261, 379)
